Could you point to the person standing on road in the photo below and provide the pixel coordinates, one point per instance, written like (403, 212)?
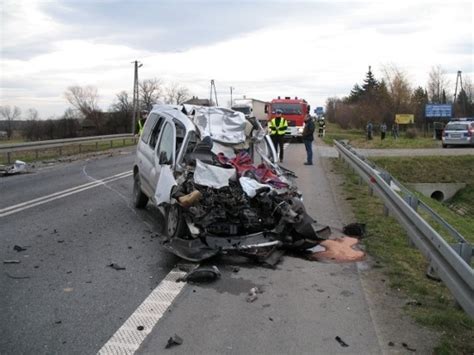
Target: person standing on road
(383, 130)
(369, 130)
(308, 137)
(278, 126)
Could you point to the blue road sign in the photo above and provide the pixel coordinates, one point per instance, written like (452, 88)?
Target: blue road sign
(438, 111)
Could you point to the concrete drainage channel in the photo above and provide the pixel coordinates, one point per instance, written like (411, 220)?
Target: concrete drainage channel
(438, 191)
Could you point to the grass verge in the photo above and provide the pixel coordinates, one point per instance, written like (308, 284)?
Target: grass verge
(405, 267)
(358, 139)
(53, 153)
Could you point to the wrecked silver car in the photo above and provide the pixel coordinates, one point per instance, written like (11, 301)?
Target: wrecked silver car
(213, 174)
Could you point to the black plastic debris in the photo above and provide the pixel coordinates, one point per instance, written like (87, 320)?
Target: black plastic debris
(140, 327)
(116, 266)
(16, 277)
(202, 274)
(174, 340)
(391, 343)
(11, 261)
(354, 230)
(341, 342)
(405, 345)
(18, 248)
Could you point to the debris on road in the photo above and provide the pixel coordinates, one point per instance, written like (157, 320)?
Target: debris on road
(18, 167)
(16, 277)
(116, 266)
(252, 295)
(354, 230)
(174, 340)
(11, 261)
(201, 274)
(18, 248)
(405, 345)
(341, 342)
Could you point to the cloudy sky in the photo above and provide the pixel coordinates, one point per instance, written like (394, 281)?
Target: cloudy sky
(311, 49)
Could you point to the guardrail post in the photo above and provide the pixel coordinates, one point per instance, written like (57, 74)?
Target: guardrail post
(360, 181)
(96, 146)
(124, 142)
(111, 143)
(36, 154)
(80, 148)
(371, 191)
(385, 211)
(60, 151)
(464, 250)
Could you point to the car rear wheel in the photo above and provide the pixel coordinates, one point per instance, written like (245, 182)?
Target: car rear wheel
(139, 198)
(175, 224)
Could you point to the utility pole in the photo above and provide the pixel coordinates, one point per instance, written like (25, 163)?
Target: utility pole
(231, 88)
(213, 87)
(135, 116)
(459, 80)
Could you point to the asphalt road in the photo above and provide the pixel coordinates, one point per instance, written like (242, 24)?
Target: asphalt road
(75, 219)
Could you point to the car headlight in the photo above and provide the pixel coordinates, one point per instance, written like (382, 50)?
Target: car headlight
(299, 130)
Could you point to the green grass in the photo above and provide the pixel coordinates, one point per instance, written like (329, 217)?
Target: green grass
(54, 153)
(405, 266)
(429, 169)
(357, 138)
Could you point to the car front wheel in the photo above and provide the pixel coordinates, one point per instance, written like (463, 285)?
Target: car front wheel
(139, 198)
(175, 223)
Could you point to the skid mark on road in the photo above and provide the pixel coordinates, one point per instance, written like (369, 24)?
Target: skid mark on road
(61, 194)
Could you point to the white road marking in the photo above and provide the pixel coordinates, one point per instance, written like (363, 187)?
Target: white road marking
(61, 194)
(128, 338)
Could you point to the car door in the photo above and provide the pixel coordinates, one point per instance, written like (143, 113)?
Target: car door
(165, 153)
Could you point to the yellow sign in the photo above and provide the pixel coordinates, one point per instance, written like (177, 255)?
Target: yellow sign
(404, 118)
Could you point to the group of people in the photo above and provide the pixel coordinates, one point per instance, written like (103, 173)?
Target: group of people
(278, 127)
(383, 130)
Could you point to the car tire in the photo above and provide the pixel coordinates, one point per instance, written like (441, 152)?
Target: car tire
(445, 146)
(139, 198)
(175, 224)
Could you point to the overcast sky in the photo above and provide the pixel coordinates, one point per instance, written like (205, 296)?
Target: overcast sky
(312, 49)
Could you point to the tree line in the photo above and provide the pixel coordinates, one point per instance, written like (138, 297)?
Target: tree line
(379, 100)
(84, 116)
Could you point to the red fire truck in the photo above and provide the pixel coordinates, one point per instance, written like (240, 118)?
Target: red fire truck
(294, 110)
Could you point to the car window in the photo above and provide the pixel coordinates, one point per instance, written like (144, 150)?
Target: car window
(149, 124)
(165, 149)
(156, 132)
(456, 127)
(180, 134)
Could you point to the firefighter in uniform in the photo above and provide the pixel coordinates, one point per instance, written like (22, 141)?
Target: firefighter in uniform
(278, 126)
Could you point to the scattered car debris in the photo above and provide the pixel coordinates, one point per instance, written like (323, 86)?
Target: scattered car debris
(116, 266)
(16, 277)
(11, 261)
(201, 274)
(341, 342)
(252, 295)
(354, 230)
(391, 343)
(224, 191)
(174, 340)
(17, 167)
(18, 248)
(405, 345)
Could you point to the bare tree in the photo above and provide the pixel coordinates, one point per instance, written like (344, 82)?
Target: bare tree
(121, 119)
(85, 99)
(150, 91)
(122, 103)
(437, 82)
(176, 94)
(10, 115)
(399, 88)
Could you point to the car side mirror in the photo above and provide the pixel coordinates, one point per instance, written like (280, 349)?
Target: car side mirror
(164, 159)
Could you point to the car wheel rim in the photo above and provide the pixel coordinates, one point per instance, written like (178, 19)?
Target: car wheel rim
(172, 220)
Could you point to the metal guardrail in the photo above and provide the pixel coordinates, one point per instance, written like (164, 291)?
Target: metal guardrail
(8, 149)
(450, 262)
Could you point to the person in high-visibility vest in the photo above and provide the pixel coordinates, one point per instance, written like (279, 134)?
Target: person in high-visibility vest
(140, 127)
(278, 126)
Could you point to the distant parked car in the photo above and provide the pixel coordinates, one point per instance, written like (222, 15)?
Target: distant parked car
(459, 132)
